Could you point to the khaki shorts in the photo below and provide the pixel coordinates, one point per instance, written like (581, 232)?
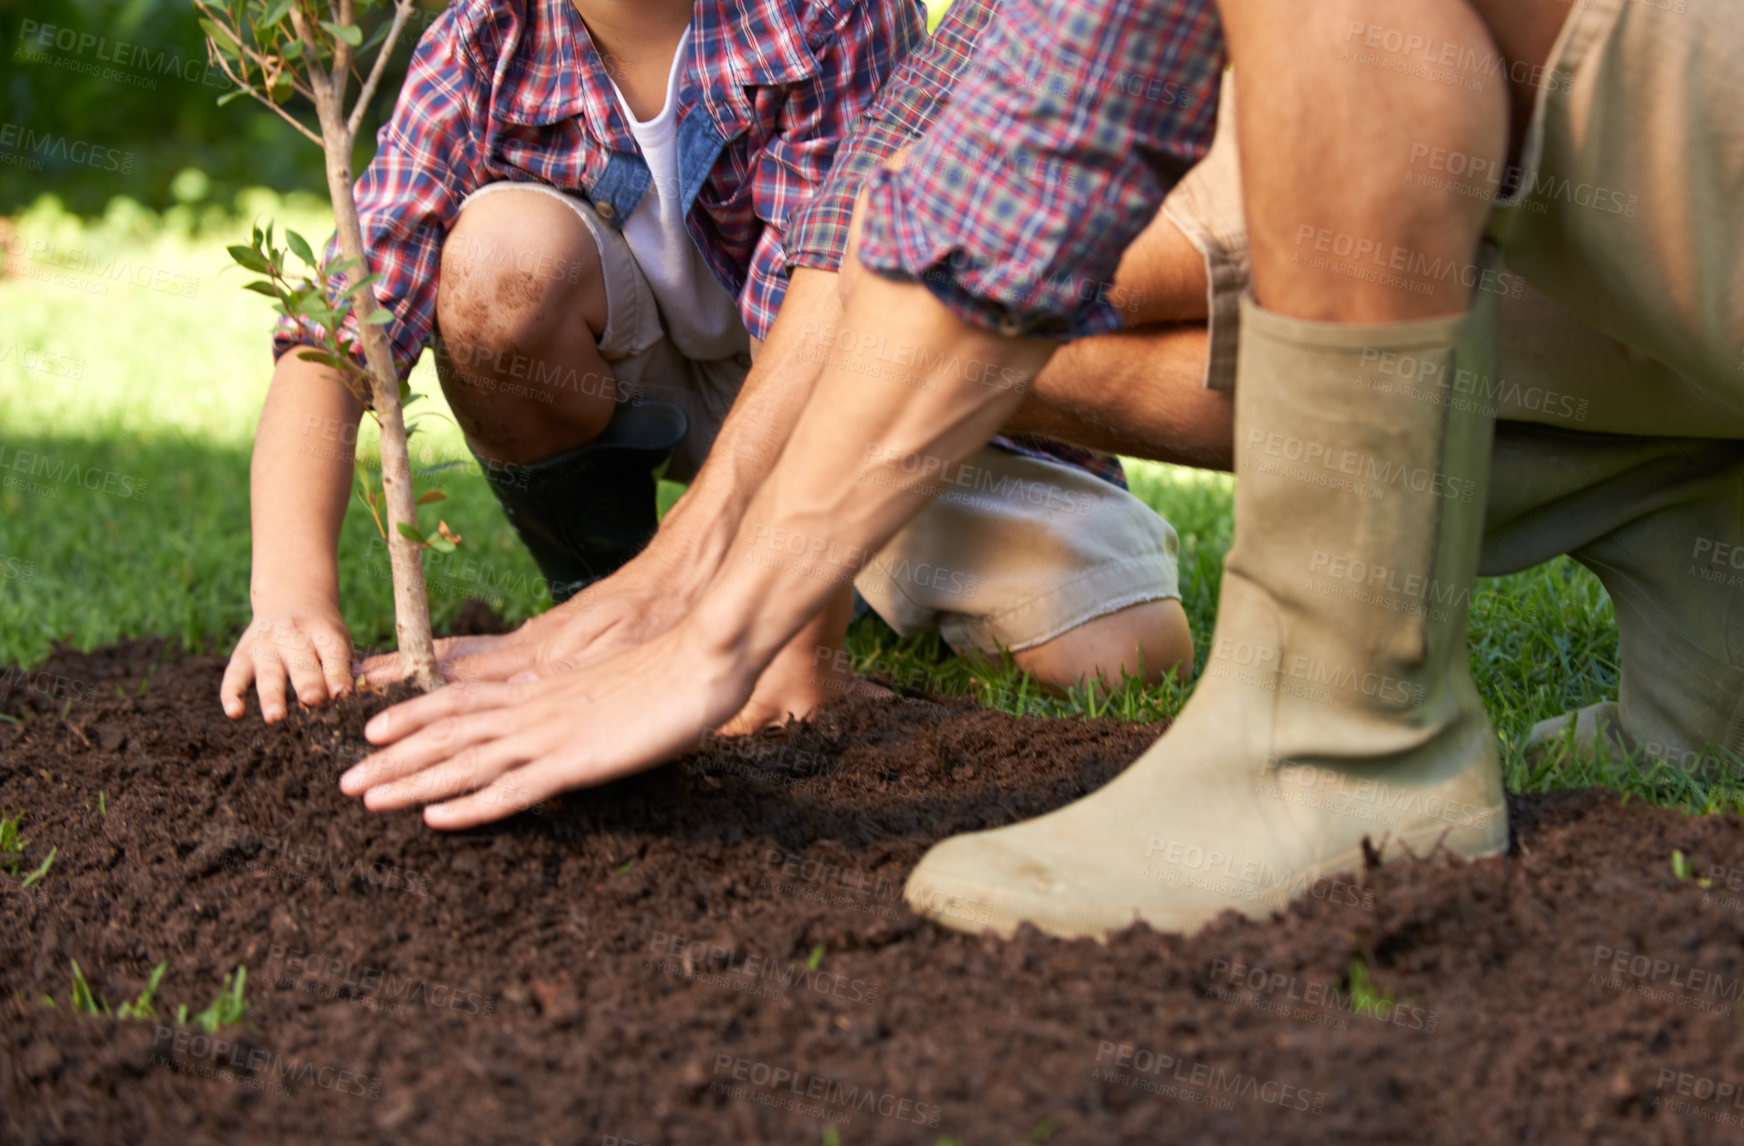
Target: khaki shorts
(1012, 552)
(1555, 369)
(1632, 210)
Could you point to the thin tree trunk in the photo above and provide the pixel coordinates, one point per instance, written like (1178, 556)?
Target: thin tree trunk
(411, 602)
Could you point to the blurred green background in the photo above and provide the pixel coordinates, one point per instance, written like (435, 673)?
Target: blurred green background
(130, 77)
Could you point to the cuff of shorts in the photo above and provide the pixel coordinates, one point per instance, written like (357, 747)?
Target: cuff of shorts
(1209, 209)
(1095, 593)
(1228, 273)
(970, 293)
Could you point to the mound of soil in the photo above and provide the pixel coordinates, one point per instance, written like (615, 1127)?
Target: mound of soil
(719, 952)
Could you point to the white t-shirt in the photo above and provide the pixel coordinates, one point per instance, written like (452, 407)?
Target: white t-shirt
(701, 317)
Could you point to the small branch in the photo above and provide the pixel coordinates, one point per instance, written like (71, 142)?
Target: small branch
(267, 101)
(311, 49)
(342, 60)
(402, 13)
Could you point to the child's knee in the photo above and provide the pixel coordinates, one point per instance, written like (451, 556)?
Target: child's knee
(517, 270)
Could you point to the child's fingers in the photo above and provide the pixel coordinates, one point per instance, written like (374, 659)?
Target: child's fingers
(269, 684)
(333, 646)
(304, 664)
(238, 675)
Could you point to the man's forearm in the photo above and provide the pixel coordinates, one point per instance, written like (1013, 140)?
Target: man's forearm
(882, 410)
(699, 530)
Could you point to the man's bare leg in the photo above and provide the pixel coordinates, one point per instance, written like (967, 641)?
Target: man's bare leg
(1148, 641)
(1326, 146)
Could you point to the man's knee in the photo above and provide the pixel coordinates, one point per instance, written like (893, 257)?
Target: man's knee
(1151, 640)
(518, 269)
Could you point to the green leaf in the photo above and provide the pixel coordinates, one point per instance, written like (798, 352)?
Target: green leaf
(378, 317)
(380, 34)
(350, 33)
(84, 1001)
(250, 259)
(361, 284)
(300, 247)
(326, 358)
(142, 1008)
(442, 545)
(231, 95)
(35, 877)
(218, 34)
(261, 286)
(410, 532)
(293, 50)
(274, 14)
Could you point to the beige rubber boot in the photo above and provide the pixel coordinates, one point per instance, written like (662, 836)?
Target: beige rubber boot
(1336, 707)
(1661, 522)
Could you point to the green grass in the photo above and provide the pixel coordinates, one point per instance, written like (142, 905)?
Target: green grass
(12, 845)
(167, 395)
(155, 394)
(226, 1010)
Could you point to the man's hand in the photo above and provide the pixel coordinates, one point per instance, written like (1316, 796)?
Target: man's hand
(631, 607)
(301, 638)
(500, 748)
(478, 752)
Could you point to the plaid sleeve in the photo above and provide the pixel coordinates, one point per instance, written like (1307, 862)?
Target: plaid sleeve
(411, 193)
(817, 233)
(1048, 161)
(865, 46)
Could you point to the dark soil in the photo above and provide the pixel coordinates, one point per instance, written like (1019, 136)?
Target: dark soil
(687, 956)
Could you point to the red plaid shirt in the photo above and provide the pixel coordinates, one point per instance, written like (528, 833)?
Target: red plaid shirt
(515, 90)
(1070, 120)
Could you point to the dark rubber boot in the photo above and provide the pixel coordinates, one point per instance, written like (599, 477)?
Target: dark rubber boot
(583, 514)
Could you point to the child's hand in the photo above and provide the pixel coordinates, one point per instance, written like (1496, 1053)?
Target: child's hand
(303, 639)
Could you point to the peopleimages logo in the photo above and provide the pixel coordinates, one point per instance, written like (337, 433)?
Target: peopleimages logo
(1170, 1076)
(1177, 861)
(736, 970)
(36, 38)
(1318, 994)
(1271, 668)
(258, 1061)
(1380, 473)
(360, 982)
(1664, 976)
(799, 1084)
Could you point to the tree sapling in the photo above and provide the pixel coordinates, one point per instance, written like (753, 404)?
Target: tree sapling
(273, 50)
